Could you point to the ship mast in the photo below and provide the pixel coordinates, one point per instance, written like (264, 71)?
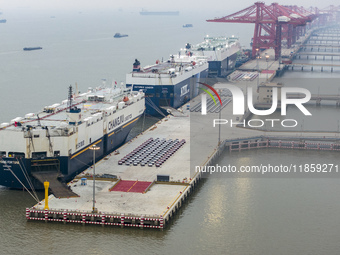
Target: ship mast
(69, 102)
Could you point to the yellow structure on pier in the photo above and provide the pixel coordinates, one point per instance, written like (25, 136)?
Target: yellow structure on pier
(46, 185)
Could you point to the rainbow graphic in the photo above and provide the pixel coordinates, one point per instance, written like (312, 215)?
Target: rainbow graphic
(209, 93)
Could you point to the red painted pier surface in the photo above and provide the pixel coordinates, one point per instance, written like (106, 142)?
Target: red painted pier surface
(131, 186)
(139, 187)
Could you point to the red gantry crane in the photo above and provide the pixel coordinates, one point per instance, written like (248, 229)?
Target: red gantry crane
(331, 15)
(268, 22)
(292, 32)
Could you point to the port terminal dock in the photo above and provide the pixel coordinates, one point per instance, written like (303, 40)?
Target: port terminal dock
(130, 194)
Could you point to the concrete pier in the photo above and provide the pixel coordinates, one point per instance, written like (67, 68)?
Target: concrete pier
(150, 206)
(153, 205)
(303, 143)
(319, 46)
(130, 193)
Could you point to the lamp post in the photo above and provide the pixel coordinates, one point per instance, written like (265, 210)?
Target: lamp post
(219, 128)
(280, 60)
(267, 58)
(257, 67)
(94, 148)
(332, 62)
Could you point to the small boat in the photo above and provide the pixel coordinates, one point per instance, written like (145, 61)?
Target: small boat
(3, 20)
(188, 25)
(119, 35)
(32, 48)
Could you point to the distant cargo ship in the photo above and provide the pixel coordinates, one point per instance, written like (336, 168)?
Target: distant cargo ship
(32, 48)
(188, 25)
(3, 20)
(172, 13)
(119, 35)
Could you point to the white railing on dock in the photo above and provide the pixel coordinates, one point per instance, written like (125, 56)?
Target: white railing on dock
(267, 143)
(64, 216)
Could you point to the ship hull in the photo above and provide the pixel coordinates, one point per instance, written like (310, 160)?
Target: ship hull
(174, 96)
(32, 48)
(222, 68)
(67, 166)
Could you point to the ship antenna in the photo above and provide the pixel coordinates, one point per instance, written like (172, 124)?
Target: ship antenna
(69, 102)
(38, 118)
(77, 92)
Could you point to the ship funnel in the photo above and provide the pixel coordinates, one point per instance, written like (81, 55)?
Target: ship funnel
(136, 66)
(73, 111)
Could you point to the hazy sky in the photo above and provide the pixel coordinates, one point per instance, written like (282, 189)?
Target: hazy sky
(225, 6)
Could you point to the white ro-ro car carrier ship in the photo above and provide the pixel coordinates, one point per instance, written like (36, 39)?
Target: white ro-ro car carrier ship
(58, 139)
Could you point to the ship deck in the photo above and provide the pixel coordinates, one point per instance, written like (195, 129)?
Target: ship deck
(164, 67)
(54, 118)
(212, 43)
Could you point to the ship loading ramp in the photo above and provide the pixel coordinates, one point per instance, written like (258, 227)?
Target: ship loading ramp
(173, 111)
(59, 189)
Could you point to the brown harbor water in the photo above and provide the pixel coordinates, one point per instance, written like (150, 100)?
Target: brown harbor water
(224, 215)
